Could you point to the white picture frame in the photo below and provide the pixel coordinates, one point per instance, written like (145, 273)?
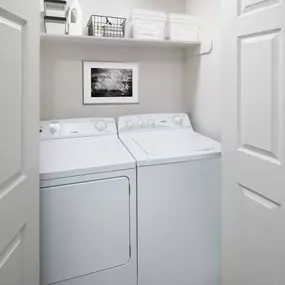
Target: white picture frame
(110, 83)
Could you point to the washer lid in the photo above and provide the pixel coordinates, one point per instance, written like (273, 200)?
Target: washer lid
(160, 147)
(83, 155)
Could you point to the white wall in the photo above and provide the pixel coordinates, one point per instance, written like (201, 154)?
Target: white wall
(203, 73)
(161, 71)
(160, 81)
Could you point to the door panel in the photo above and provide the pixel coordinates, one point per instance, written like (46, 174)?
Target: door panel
(92, 219)
(259, 94)
(11, 70)
(247, 6)
(253, 142)
(19, 51)
(12, 260)
(16, 218)
(260, 239)
(11, 174)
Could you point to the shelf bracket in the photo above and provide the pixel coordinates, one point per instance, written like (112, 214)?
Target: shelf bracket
(203, 49)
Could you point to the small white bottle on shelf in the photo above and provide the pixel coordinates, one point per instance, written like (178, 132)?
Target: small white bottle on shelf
(75, 26)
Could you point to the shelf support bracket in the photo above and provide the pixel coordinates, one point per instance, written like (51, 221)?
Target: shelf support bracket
(203, 49)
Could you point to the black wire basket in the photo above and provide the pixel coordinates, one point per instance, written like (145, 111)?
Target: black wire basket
(106, 26)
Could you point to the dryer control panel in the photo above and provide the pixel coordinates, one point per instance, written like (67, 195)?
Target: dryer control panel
(58, 129)
(153, 122)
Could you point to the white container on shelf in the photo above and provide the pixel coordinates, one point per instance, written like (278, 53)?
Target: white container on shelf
(55, 25)
(55, 8)
(74, 18)
(144, 24)
(181, 27)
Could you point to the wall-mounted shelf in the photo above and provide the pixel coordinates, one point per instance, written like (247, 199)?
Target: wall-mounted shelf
(116, 42)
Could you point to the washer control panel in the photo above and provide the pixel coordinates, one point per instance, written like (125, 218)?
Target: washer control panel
(153, 121)
(57, 129)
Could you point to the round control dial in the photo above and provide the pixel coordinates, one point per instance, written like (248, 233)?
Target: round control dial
(101, 125)
(54, 127)
(178, 121)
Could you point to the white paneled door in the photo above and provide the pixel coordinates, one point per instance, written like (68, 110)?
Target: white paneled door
(19, 72)
(253, 142)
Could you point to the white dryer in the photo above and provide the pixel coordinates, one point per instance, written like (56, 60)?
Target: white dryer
(178, 174)
(87, 204)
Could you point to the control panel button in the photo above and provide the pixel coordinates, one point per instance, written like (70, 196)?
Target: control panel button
(151, 123)
(178, 121)
(54, 127)
(101, 125)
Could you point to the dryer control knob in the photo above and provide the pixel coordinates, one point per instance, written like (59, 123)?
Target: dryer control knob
(101, 125)
(140, 123)
(178, 121)
(54, 127)
(129, 124)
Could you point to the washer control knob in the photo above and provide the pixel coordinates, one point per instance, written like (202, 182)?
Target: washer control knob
(151, 123)
(54, 127)
(101, 125)
(178, 121)
(129, 124)
(140, 123)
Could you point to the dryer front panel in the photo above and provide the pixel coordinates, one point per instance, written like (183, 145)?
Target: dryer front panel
(85, 228)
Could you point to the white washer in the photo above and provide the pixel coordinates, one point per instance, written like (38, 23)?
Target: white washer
(88, 204)
(178, 173)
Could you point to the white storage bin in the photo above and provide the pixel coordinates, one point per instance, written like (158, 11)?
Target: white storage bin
(144, 24)
(55, 8)
(182, 27)
(55, 25)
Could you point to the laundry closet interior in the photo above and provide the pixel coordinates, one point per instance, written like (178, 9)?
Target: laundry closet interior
(142, 142)
(131, 185)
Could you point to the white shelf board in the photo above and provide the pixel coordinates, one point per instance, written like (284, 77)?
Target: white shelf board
(117, 42)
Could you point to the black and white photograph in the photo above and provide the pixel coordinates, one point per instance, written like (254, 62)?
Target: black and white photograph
(110, 83)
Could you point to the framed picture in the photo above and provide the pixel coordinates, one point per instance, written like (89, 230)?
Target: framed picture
(110, 83)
